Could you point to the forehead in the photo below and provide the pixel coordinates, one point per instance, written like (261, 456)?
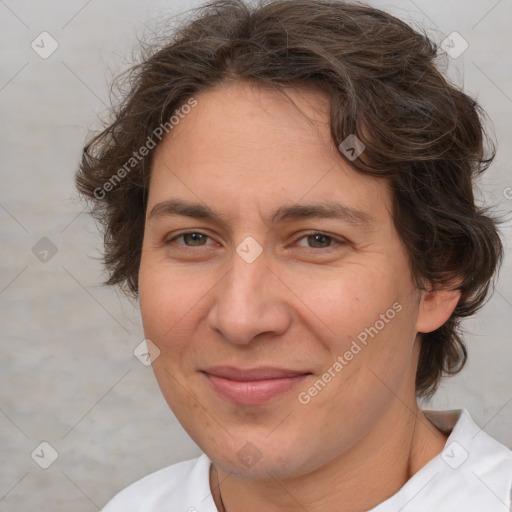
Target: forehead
(256, 146)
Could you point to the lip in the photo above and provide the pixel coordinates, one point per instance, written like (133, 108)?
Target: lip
(252, 386)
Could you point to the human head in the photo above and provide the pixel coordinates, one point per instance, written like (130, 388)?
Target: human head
(421, 134)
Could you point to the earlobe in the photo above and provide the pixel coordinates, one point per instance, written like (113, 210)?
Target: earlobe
(436, 307)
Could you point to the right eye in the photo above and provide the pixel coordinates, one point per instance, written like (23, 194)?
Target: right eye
(190, 239)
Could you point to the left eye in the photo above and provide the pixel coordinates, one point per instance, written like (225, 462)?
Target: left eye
(318, 240)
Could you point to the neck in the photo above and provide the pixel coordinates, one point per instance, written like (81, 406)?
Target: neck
(389, 456)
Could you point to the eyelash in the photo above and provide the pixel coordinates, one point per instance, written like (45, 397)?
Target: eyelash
(334, 241)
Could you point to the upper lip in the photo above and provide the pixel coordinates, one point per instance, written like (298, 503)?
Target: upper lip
(252, 374)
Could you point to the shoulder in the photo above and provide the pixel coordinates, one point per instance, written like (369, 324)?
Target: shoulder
(473, 473)
(468, 445)
(472, 462)
(480, 465)
(185, 485)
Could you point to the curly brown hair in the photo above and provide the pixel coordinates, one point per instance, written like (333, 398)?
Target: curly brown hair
(422, 134)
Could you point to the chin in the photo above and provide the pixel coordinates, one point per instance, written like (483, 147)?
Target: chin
(260, 460)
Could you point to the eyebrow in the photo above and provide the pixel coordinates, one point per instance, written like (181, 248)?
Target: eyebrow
(185, 209)
(327, 210)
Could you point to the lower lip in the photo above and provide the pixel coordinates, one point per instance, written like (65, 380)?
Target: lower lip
(253, 392)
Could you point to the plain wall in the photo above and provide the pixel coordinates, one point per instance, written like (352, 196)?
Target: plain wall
(68, 375)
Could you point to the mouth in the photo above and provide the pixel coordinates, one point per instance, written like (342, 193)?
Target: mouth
(252, 386)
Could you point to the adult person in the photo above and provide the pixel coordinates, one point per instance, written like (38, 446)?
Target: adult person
(304, 242)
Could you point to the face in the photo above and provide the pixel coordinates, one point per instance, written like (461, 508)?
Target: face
(274, 284)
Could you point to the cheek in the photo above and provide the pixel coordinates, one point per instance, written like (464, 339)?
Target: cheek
(352, 298)
(169, 309)
(165, 300)
(370, 313)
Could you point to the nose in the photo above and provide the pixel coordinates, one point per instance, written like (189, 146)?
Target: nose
(249, 302)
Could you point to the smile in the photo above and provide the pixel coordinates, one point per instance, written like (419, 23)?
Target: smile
(252, 387)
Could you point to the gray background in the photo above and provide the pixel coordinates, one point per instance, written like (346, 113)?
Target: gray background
(68, 375)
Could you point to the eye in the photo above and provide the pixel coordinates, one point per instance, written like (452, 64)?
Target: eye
(190, 239)
(317, 240)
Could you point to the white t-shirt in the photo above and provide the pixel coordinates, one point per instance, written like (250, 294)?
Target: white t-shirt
(473, 473)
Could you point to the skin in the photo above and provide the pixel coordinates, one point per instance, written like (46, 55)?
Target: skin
(245, 151)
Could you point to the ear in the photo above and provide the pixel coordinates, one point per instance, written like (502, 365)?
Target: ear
(436, 307)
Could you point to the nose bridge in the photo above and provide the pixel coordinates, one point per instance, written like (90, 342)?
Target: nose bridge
(245, 305)
(243, 294)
